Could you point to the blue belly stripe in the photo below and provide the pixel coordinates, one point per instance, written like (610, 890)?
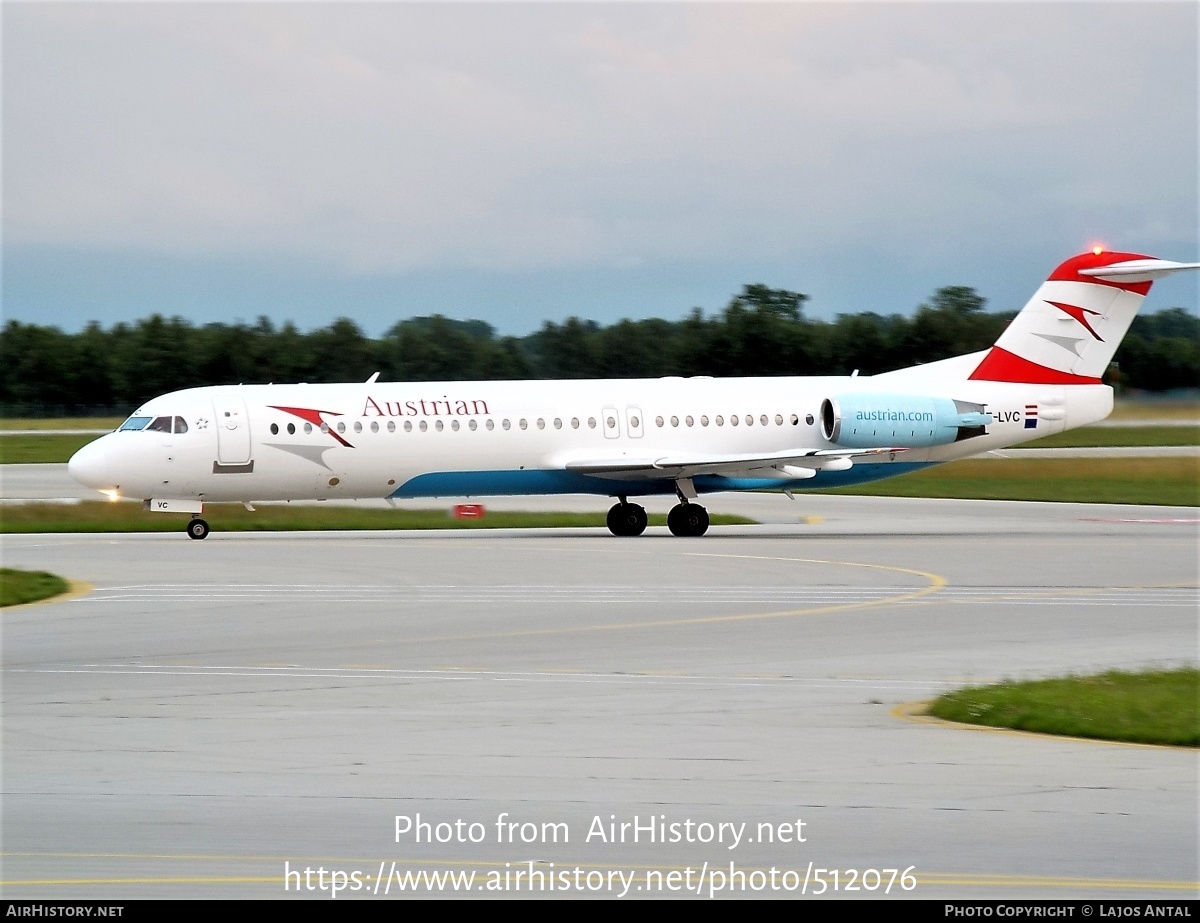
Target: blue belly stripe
(510, 483)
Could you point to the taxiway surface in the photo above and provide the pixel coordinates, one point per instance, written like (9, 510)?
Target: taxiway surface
(213, 714)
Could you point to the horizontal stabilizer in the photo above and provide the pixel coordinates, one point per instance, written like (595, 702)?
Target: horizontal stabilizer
(1146, 270)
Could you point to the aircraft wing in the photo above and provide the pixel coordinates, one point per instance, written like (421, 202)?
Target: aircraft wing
(796, 464)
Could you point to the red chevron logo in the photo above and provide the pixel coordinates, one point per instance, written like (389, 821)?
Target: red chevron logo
(314, 417)
(1078, 313)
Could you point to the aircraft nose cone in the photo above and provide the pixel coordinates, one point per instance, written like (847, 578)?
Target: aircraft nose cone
(89, 466)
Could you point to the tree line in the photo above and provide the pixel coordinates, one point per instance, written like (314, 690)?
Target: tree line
(762, 331)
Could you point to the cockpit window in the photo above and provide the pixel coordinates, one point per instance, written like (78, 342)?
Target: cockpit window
(134, 423)
(160, 425)
(180, 425)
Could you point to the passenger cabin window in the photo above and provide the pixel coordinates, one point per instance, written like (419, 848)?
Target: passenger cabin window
(134, 424)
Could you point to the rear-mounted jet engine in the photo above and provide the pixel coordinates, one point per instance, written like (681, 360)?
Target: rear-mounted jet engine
(860, 421)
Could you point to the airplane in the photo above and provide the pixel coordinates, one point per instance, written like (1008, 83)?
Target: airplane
(630, 438)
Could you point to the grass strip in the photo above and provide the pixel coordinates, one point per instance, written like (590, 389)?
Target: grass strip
(50, 449)
(1156, 410)
(1152, 481)
(8, 423)
(99, 516)
(1147, 708)
(1108, 436)
(23, 586)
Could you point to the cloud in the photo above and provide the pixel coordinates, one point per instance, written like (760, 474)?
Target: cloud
(391, 138)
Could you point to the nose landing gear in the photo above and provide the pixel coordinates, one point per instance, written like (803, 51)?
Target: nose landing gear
(197, 529)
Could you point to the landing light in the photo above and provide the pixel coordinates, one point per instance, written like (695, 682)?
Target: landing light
(1097, 249)
(112, 495)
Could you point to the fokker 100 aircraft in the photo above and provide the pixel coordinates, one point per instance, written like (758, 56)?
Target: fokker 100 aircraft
(631, 438)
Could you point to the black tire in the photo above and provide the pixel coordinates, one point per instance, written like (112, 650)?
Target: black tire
(688, 520)
(197, 529)
(627, 520)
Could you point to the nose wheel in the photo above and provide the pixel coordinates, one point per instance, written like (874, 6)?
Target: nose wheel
(627, 519)
(197, 529)
(688, 519)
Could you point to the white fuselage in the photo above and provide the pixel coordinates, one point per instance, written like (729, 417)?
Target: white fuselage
(381, 439)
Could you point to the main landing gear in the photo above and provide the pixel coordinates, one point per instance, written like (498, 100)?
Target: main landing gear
(627, 519)
(197, 529)
(688, 519)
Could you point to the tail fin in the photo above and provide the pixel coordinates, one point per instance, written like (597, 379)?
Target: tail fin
(1068, 332)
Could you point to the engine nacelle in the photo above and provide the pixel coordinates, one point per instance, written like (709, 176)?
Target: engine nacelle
(866, 421)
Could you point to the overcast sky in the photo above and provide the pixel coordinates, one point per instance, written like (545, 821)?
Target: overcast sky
(522, 162)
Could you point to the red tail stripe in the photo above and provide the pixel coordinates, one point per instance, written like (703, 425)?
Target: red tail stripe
(1069, 271)
(1001, 365)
